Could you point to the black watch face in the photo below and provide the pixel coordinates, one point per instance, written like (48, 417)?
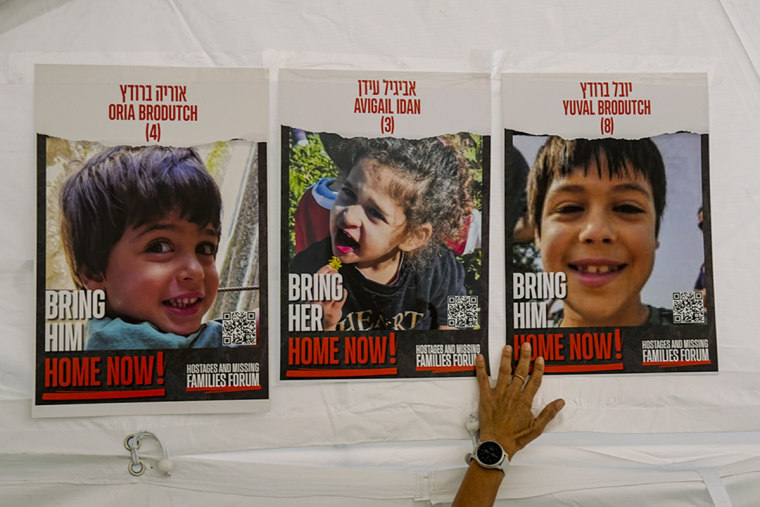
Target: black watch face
(489, 453)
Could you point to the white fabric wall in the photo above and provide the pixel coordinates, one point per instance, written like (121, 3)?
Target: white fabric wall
(659, 439)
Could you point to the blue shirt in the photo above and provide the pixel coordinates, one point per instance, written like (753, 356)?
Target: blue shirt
(115, 334)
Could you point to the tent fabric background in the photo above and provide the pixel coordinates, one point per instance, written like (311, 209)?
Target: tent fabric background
(662, 439)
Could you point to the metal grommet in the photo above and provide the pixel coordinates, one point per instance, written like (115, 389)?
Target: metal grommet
(128, 440)
(136, 469)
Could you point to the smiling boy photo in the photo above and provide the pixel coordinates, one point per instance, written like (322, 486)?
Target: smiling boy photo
(143, 225)
(596, 207)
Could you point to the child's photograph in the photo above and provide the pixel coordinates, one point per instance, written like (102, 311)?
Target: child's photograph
(396, 224)
(167, 236)
(620, 219)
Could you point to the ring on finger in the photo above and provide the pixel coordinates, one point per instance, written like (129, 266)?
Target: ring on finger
(520, 377)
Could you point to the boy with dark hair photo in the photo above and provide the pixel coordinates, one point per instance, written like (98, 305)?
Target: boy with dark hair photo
(596, 208)
(142, 224)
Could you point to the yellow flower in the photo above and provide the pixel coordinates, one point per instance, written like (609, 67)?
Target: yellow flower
(335, 263)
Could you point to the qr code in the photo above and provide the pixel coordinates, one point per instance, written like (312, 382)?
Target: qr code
(239, 328)
(462, 312)
(688, 307)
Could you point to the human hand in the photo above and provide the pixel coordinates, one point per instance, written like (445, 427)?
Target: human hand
(331, 310)
(505, 411)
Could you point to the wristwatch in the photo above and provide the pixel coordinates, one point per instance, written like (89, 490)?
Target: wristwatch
(491, 455)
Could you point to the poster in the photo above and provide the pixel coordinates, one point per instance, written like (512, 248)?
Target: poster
(385, 199)
(151, 258)
(608, 222)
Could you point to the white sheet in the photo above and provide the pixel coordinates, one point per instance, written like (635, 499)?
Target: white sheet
(82, 461)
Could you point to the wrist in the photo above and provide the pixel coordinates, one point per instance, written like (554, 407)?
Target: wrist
(496, 475)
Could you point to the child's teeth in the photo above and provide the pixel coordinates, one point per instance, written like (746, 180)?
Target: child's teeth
(598, 269)
(182, 302)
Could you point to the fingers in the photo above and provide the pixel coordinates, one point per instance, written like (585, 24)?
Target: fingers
(340, 302)
(480, 372)
(540, 422)
(505, 368)
(332, 309)
(336, 307)
(534, 381)
(523, 365)
(547, 414)
(325, 270)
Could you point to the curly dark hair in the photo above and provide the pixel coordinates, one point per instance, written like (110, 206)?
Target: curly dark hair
(433, 184)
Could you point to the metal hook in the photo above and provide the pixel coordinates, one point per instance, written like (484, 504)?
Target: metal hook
(136, 466)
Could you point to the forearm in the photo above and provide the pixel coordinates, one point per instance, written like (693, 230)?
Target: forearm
(479, 487)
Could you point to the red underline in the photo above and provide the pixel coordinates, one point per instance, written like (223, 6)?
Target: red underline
(225, 389)
(102, 395)
(444, 369)
(667, 364)
(341, 373)
(582, 367)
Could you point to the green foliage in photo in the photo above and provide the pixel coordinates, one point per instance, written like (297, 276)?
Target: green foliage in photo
(308, 163)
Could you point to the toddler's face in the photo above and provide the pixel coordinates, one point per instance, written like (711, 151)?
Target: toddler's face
(366, 223)
(163, 273)
(601, 232)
